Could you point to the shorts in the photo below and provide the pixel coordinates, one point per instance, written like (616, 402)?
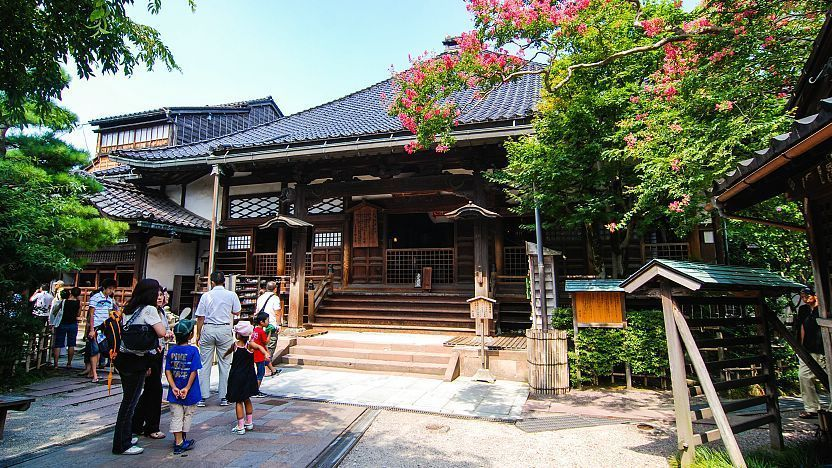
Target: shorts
(65, 336)
(261, 370)
(180, 417)
(94, 347)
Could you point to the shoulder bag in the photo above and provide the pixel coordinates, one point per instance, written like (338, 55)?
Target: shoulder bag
(138, 337)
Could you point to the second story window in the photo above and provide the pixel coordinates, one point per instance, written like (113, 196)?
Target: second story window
(156, 135)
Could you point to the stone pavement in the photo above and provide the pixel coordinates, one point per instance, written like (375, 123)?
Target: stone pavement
(634, 404)
(287, 433)
(500, 400)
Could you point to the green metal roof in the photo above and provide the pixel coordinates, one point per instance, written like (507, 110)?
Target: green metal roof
(594, 285)
(695, 275)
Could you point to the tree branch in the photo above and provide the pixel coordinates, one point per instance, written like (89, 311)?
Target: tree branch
(570, 70)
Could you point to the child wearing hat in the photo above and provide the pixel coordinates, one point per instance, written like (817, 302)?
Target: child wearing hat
(242, 380)
(181, 366)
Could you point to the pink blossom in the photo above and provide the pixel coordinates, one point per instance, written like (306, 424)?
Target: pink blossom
(634, 99)
(653, 27)
(613, 226)
(778, 209)
(440, 148)
(581, 28)
(676, 127)
(725, 106)
(412, 147)
(631, 140)
(674, 165)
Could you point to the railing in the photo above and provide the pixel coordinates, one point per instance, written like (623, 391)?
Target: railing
(307, 265)
(404, 264)
(668, 250)
(315, 296)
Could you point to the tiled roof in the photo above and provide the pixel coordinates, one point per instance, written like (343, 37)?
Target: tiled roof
(174, 109)
(801, 129)
(709, 276)
(359, 114)
(126, 202)
(594, 285)
(116, 171)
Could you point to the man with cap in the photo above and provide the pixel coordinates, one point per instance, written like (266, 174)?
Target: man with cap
(807, 330)
(214, 319)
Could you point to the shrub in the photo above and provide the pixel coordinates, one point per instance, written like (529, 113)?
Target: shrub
(17, 324)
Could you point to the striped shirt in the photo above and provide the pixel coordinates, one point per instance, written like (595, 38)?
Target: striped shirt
(102, 306)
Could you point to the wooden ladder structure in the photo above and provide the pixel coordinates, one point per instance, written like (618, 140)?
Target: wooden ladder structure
(680, 340)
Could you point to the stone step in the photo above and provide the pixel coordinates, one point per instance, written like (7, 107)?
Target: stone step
(372, 354)
(381, 316)
(401, 321)
(324, 341)
(394, 299)
(366, 364)
(397, 307)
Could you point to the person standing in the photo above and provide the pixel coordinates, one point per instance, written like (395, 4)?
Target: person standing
(149, 409)
(64, 318)
(214, 319)
(269, 303)
(41, 301)
(181, 367)
(808, 334)
(132, 364)
(100, 306)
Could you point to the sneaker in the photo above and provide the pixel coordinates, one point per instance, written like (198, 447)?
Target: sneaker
(238, 430)
(177, 449)
(134, 450)
(134, 440)
(188, 444)
(223, 402)
(260, 395)
(249, 427)
(201, 403)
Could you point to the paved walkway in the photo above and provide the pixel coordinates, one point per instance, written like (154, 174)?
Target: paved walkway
(500, 400)
(287, 433)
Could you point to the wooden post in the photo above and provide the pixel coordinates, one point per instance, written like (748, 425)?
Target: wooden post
(481, 268)
(775, 428)
(681, 394)
(821, 288)
(346, 256)
(575, 340)
(726, 434)
(212, 244)
(297, 288)
(499, 248)
(140, 261)
(281, 251)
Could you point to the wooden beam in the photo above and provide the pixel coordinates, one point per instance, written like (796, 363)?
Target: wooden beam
(678, 379)
(281, 251)
(822, 286)
(802, 353)
(297, 289)
(775, 428)
(446, 182)
(212, 243)
(725, 430)
(765, 222)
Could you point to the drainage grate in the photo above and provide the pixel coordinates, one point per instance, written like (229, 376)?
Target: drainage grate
(557, 423)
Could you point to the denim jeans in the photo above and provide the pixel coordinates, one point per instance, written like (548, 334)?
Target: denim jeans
(131, 384)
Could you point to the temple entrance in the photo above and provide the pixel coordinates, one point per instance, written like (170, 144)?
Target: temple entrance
(414, 241)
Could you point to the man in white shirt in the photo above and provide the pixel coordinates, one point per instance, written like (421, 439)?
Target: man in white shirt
(269, 303)
(214, 319)
(42, 300)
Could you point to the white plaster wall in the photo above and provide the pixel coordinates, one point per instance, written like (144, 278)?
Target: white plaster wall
(256, 188)
(174, 192)
(170, 259)
(198, 196)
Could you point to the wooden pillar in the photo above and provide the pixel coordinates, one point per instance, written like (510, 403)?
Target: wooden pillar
(499, 247)
(681, 394)
(821, 281)
(281, 251)
(212, 244)
(719, 238)
(140, 262)
(775, 428)
(297, 286)
(346, 255)
(481, 260)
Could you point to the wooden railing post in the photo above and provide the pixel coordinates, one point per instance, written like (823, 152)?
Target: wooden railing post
(681, 395)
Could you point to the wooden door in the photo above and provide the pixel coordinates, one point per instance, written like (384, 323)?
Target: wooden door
(464, 251)
(367, 263)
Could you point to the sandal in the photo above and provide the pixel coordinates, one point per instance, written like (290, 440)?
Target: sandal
(157, 435)
(807, 415)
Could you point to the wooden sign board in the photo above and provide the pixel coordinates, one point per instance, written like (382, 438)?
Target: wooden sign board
(365, 227)
(482, 307)
(599, 309)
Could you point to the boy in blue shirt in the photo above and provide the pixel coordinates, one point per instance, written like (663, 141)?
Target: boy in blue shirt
(181, 366)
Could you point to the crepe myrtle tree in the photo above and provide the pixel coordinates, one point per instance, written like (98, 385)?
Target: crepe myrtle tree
(643, 106)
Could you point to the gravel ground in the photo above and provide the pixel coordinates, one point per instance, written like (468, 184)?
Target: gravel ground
(399, 439)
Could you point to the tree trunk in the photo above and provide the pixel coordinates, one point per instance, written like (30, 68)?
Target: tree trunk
(593, 250)
(3, 130)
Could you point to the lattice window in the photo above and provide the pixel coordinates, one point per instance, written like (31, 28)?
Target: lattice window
(238, 242)
(669, 251)
(327, 206)
(327, 239)
(404, 264)
(252, 207)
(515, 261)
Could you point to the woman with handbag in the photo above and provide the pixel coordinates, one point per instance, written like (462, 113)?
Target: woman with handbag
(149, 409)
(141, 328)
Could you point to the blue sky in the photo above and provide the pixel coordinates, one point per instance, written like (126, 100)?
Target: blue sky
(300, 53)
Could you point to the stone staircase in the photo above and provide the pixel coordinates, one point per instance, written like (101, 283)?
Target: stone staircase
(444, 312)
(421, 359)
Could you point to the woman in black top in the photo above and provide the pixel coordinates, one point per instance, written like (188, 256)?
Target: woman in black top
(66, 325)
